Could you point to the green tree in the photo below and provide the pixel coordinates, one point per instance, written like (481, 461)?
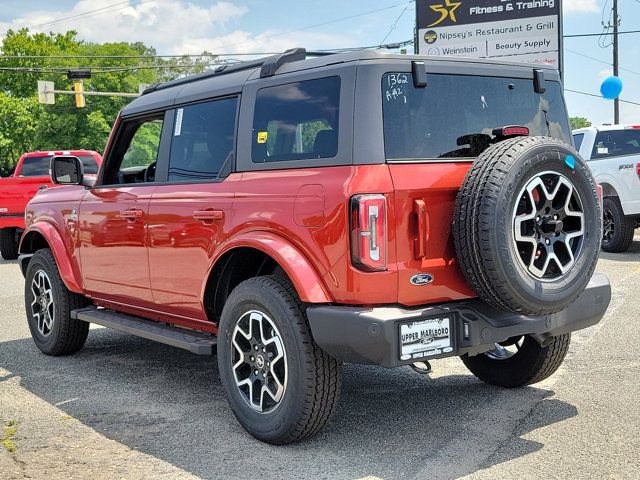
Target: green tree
(579, 122)
(116, 67)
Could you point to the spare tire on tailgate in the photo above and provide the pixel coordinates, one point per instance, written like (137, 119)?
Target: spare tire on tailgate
(527, 225)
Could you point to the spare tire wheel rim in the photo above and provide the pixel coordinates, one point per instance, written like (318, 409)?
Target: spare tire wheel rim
(43, 308)
(259, 361)
(548, 226)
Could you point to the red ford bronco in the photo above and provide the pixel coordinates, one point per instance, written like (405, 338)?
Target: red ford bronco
(297, 213)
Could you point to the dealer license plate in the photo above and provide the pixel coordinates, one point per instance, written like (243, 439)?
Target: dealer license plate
(425, 338)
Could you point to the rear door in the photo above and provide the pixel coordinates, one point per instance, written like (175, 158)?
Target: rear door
(191, 209)
(432, 135)
(113, 215)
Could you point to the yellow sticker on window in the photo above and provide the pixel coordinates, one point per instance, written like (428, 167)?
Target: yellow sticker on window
(262, 137)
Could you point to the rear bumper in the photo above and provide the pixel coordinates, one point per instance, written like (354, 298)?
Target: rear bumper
(371, 335)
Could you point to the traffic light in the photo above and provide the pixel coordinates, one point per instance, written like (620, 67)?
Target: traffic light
(78, 87)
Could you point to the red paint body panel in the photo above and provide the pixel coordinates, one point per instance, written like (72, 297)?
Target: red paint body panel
(435, 184)
(52, 217)
(17, 191)
(156, 262)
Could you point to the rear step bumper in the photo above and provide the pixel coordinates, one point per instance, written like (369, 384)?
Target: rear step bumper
(372, 335)
(196, 342)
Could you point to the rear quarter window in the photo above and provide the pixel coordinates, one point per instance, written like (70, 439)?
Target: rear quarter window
(577, 140)
(616, 143)
(296, 121)
(35, 166)
(454, 115)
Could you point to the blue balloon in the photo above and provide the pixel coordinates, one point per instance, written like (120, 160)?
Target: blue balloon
(611, 87)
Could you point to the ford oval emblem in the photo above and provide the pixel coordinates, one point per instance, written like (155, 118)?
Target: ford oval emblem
(421, 279)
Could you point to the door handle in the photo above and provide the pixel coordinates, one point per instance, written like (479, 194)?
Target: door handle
(208, 215)
(131, 214)
(420, 243)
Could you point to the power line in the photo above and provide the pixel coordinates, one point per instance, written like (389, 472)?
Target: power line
(577, 35)
(598, 96)
(90, 12)
(317, 25)
(599, 60)
(394, 24)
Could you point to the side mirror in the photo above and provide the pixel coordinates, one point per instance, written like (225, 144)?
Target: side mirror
(66, 170)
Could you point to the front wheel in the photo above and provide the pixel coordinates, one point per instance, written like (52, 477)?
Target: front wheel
(518, 361)
(48, 304)
(280, 385)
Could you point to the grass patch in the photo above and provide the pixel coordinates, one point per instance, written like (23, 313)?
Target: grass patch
(9, 432)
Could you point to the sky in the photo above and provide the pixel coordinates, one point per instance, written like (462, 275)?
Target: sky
(248, 26)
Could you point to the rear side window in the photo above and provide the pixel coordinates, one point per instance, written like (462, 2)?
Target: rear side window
(577, 140)
(203, 140)
(616, 143)
(89, 164)
(296, 121)
(35, 166)
(454, 116)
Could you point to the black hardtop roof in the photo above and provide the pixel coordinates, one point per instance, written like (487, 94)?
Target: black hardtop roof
(229, 78)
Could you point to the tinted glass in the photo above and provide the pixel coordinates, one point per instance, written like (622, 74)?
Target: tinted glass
(454, 116)
(297, 121)
(616, 143)
(577, 140)
(35, 166)
(203, 140)
(89, 164)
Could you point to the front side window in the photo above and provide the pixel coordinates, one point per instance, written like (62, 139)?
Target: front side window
(203, 140)
(616, 143)
(136, 152)
(454, 115)
(296, 121)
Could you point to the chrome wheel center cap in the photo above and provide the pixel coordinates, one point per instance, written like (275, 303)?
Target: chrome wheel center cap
(260, 361)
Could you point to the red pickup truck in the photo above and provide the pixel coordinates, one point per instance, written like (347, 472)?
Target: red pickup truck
(31, 174)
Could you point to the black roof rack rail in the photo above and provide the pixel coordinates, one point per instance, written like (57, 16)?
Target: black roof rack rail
(272, 64)
(269, 66)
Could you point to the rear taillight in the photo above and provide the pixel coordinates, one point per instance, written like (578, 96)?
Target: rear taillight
(638, 169)
(368, 226)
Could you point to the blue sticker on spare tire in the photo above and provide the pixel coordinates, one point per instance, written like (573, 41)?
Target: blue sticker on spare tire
(421, 279)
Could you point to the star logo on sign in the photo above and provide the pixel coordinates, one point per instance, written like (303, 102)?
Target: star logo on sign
(446, 9)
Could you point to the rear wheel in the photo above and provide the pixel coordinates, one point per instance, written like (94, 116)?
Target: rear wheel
(48, 304)
(519, 361)
(618, 230)
(9, 243)
(280, 385)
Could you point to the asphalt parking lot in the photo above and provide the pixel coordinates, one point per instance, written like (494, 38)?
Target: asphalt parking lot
(127, 408)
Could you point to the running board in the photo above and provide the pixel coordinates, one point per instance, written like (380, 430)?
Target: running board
(196, 342)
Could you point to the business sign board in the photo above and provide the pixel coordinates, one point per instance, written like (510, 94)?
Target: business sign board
(514, 30)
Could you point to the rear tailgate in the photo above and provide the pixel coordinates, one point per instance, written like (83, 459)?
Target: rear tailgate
(425, 196)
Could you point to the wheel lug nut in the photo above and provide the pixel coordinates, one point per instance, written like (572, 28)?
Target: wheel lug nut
(547, 241)
(264, 375)
(268, 364)
(252, 358)
(555, 217)
(264, 349)
(255, 372)
(256, 347)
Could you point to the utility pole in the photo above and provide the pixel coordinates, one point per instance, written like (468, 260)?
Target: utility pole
(616, 23)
